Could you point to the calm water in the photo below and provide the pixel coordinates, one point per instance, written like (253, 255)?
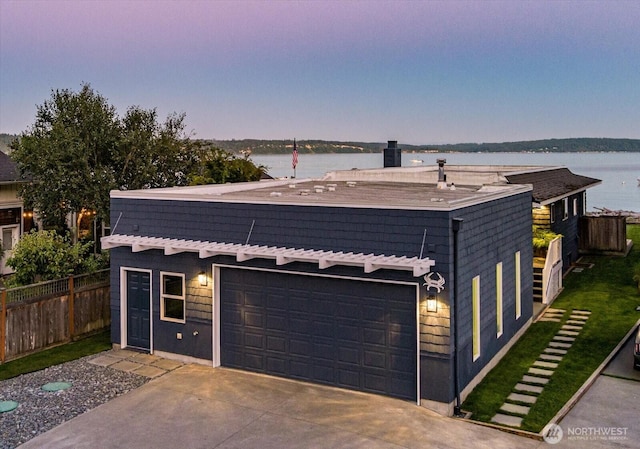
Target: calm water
(618, 171)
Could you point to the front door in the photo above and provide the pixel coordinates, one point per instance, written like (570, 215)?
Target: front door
(139, 309)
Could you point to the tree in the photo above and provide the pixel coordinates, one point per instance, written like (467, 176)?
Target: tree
(216, 166)
(78, 150)
(46, 255)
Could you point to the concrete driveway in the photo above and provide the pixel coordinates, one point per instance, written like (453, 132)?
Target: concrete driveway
(201, 407)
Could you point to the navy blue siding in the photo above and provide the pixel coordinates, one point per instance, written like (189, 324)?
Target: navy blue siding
(569, 228)
(492, 232)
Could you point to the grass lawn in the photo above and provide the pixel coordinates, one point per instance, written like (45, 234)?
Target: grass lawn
(609, 292)
(54, 356)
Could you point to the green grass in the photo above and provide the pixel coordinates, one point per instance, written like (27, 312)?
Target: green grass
(54, 356)
(609, 292)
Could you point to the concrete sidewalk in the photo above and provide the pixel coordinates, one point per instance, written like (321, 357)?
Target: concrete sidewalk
(201, 407)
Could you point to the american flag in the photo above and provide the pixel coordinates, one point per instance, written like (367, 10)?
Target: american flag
(294, 156)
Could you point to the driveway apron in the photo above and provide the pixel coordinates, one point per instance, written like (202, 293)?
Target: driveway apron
(202, 407)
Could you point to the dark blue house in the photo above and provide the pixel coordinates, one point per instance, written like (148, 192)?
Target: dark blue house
(410, 290)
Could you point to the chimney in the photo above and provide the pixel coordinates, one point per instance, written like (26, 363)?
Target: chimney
(442, 178)
(392, 154)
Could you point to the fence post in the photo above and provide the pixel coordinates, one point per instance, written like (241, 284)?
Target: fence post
(72, 326)
(3, 324)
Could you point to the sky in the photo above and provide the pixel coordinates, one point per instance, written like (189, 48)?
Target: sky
(419, 72)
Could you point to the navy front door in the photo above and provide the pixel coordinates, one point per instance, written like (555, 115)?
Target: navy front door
(347, 333)
(139, 309)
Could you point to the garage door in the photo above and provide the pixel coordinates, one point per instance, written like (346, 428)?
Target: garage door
(352, 334)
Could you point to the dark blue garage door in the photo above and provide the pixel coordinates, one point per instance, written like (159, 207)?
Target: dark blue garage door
(352, 334)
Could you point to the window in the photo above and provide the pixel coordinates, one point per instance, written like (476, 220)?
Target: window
(552, 212)
(498, 299)
(7, 239)
(476, 317)
(576, 210)
(172, 297)
(518, 287)
(565, 207)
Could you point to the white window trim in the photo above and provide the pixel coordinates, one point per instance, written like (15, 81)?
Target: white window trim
(552, 212)
(475, 299)
(565, 208)
(499, 318)
(518, 286)
(182, 297)
(575, 207)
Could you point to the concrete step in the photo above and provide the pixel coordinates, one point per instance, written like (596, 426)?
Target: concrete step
(555, 351)
(518, 397)
(551, 358)
(535, 380)
(540, 372)
(542, 364)
(507, 420)
(559, 344)
(528, 388)
(515, 409)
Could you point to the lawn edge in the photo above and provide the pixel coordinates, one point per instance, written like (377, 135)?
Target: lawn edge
(591, 380)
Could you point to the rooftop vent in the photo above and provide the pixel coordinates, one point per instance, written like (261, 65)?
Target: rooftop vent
(442, 178)
(392, 154)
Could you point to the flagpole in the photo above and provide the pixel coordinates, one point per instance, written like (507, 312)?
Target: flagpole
(294, 158)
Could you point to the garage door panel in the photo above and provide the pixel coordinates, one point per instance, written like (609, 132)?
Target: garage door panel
(255, 341)
(277, 322)
(375, 359)
(349, 355)
(299, 347)
(310, 328)
(323, 328)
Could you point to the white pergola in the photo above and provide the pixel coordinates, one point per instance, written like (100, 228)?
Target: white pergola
(281, 255)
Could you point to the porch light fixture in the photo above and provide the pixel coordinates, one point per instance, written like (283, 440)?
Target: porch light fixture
(202, 278)
(432, 303)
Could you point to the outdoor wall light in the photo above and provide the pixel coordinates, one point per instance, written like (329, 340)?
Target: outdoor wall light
(432, 303)
(202, 278)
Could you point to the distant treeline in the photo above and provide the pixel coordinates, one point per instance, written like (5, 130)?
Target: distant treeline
(255, 146)
(252, 146)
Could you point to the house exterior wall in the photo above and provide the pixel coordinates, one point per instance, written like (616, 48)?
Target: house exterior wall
(492, 233)
(568, 226)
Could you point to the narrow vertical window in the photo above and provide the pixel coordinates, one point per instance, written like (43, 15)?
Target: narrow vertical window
(565, 208)
(498, 299)
(552, 212)
(476, 317)
(576, 211)
(518, 287)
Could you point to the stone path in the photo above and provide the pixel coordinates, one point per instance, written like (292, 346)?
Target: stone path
(526, 391)
(146, 365)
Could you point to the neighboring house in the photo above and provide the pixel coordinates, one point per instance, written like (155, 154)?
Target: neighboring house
(397, 288)
(559, 200)
(14, 220)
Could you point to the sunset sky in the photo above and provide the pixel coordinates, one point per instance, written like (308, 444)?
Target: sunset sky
(417, 72)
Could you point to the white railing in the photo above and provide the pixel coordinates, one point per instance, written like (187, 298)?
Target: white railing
(552, 272)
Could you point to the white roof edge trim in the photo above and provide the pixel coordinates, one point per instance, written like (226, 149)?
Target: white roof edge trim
(281, 255)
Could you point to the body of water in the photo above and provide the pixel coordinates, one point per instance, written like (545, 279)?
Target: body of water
(619, 172)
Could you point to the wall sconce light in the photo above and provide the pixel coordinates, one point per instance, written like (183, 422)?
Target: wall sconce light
(202, 278)
(432, 303)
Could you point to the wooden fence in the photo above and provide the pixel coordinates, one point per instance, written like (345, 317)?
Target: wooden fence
(603, 234)
(39, 316)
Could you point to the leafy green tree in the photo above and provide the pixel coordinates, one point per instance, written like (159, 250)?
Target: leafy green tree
(78, 150)
(47, 255)
(216, 166)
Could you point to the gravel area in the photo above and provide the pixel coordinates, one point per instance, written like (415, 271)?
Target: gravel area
(39, 410)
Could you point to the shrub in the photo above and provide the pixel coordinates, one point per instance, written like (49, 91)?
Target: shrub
(46, 255)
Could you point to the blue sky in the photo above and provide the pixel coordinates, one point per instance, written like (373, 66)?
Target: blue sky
(417, 72)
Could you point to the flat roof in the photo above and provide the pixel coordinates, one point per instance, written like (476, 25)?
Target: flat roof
(326, 193)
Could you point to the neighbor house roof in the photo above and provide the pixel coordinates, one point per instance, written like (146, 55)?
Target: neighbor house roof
(8, 170)
(550, 185)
